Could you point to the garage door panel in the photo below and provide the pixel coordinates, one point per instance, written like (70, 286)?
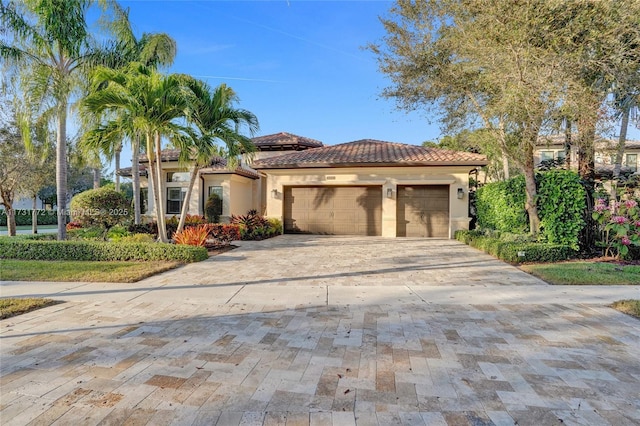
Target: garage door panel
(333, 210)
(423, 211)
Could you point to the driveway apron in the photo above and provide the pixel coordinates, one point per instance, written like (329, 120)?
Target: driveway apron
(320, 330)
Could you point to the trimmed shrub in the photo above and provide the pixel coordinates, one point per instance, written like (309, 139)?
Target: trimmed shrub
(515, 251)
(98, 251)
(103, 207)
(213, 208)
(136, 238)
(500, 206)
(144, 228)
(561, 206)
(224, 234)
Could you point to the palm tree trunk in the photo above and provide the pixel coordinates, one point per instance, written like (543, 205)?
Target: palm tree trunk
(61, 169)
(154, 177)
(135, 174)
(620, 152)
(34, 214)
(117, 166)
(187, 198)
(96, 178)
(162, 226)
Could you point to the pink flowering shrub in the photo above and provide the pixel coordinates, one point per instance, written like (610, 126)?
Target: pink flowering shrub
(620, 225)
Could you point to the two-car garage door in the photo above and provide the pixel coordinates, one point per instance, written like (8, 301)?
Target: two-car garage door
(339, 210)
(421, 211)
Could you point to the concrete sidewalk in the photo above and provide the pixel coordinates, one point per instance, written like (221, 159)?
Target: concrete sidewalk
(324, 330)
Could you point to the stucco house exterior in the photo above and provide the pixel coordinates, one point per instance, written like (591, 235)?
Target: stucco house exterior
(552, 148)
(365, 187)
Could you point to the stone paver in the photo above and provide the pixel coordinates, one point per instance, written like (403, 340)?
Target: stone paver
(316, 330)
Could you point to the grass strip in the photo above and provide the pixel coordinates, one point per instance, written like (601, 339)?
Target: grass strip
(10, 307)
(116, 272)
(585, 273)
(629, 306)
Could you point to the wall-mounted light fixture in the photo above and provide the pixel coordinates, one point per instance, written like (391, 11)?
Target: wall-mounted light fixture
(389, 192)
(274, 193)
(460, 193)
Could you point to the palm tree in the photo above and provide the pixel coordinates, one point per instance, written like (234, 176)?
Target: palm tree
(52, 40)
(152, 50)
(140, 102)
(217, 120)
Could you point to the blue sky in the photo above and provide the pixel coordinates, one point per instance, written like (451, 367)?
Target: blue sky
(299, 65)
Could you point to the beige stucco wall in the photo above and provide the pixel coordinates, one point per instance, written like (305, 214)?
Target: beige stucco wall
(239, 193)
(387, 177)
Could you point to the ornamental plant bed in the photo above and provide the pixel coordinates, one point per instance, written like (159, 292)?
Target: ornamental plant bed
(215, 250)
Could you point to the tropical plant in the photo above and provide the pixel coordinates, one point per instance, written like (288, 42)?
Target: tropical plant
(620, 225)
(193, 236)
(217, 120)
(152, 50)
(146, 103)
(50, 46)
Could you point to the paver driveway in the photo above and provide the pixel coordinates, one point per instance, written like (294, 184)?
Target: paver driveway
(324, 330)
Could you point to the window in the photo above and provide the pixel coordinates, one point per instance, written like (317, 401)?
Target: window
(144, 200)
(218, 191)
(561, 155)
(178, 176)
(546, 156)
(632, 162)
(175, 196)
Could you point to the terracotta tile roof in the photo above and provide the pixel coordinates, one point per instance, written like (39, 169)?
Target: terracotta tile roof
(218, 165)
(283, 140)
(371, 152)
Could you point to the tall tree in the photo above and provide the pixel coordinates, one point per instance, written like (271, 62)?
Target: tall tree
(51, 38)
(151, 49)
(217, 120)
(140, 102)
(475, 61)
(513, 66)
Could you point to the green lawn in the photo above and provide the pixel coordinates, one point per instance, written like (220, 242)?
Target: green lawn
(585, 273)
(631, 307)
(10, 307)
(117, 272)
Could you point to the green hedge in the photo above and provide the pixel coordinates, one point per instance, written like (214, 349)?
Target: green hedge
(23, 217)
(561, 205)
(500, 205)
(98, 251)
(507, 248)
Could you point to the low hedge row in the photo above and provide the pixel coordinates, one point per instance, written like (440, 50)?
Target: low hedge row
(513, 251)
(98, 251)
(23, 217)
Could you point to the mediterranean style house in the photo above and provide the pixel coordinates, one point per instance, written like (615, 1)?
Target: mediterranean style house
(552, 148)
(365, 187)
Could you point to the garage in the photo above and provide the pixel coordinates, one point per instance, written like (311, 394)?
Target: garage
(333, 210)
(423, 211)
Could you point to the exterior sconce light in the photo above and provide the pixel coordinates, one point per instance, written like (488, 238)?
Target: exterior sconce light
(389, 193)
(460, 193)
(274, 193)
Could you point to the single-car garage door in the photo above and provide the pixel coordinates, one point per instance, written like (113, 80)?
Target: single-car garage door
(339, 210)
(423, 211)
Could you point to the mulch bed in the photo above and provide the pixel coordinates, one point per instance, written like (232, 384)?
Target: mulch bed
(216, 250)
